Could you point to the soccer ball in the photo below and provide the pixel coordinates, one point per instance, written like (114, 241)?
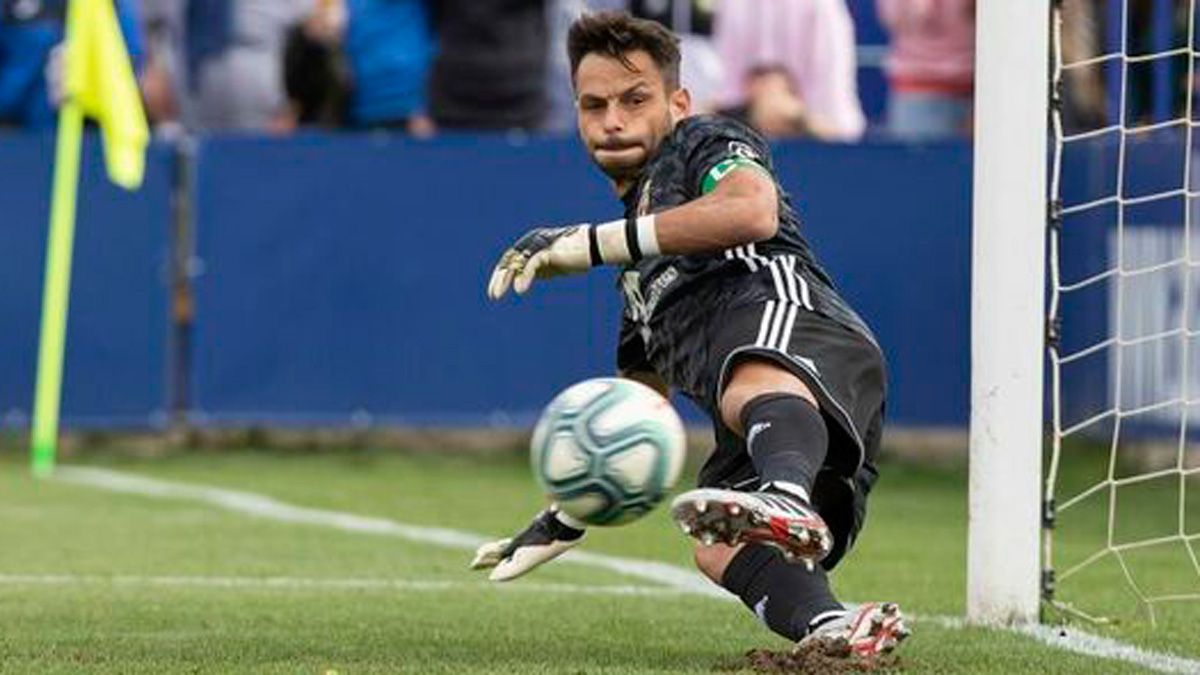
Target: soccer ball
(608, 450)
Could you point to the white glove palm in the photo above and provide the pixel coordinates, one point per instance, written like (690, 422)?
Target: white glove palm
(546, 538)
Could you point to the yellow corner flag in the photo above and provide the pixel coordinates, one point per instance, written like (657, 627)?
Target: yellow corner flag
(98, 82)
(99, 79)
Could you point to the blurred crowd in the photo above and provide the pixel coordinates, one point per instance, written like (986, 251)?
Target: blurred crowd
(788, 67)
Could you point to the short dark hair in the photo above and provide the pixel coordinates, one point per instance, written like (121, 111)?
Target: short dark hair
(616, 34)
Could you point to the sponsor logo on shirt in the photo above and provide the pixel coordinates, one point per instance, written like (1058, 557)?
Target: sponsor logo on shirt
(659, 286)
(740, 149)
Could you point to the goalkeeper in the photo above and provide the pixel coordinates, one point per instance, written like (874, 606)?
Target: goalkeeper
(725, 303)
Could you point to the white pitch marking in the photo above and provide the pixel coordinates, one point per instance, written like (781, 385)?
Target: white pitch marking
(679, 579)
(1085, 643)
(265, 507)
(1081, 642)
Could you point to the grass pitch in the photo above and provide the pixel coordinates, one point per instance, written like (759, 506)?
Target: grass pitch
(96, 582)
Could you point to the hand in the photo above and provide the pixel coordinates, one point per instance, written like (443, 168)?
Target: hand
(546, 538)
(542, 253)
(421, 126)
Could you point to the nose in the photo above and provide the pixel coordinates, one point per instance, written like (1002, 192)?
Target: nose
(614, 119)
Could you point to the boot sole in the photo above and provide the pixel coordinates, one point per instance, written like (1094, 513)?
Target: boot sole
(732, 518)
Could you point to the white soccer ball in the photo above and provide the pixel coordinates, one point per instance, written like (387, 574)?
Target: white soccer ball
(608, 450)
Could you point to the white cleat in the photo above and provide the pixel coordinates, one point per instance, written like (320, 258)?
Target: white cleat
(782, 521)
(865, 631)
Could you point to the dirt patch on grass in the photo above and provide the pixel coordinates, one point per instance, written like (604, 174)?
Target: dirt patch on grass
(811, 659)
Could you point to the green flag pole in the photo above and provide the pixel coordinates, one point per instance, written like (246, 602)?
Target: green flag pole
(56, 290)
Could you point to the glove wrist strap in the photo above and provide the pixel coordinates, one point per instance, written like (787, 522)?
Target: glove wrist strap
(622, 242)
(595, 256)
(573, 523)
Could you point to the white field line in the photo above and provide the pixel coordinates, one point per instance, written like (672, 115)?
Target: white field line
(1086, 643)
(1080, 642)
(326, 584)
(675, 578)
(261, 506)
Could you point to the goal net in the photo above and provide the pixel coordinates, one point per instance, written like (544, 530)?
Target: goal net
(1122, 491)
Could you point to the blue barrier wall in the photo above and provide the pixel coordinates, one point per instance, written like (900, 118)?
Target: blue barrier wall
(347, 275)
(896, 235)
(344, 276)
(115, 365)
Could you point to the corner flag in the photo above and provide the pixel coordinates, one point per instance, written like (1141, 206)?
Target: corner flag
(99, 79)
(98, 82)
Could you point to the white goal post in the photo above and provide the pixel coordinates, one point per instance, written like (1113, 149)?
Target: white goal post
(1008, 317)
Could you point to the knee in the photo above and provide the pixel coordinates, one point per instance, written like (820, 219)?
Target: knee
(712, 560)
(733, 399)
(750, 379)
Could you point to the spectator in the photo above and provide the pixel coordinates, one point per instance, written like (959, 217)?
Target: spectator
(930, 66)
(812, 40)
(773, 107)
(381, 79)
(491, 65)
(389, 45)
(30, 70)
(229, 62)
(315, 75)
(160, 75)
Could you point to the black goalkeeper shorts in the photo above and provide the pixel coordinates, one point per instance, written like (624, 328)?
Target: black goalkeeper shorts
(843, 368)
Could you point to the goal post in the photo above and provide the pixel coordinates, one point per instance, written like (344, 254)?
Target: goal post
(1008, 310)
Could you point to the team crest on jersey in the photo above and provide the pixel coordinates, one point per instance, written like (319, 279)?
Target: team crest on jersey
(643, 207)
(740, 149)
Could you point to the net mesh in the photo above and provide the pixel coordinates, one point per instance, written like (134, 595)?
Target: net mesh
(1122, 509)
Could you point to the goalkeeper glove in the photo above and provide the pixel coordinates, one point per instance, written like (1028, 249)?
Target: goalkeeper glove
(554, 251)
(550, 535)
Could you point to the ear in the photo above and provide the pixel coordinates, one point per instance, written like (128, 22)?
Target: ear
(680, 104)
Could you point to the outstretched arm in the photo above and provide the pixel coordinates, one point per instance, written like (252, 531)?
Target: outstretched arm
(742, 208)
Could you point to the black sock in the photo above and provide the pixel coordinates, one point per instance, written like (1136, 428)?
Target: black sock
(786, 597)
(786, 438)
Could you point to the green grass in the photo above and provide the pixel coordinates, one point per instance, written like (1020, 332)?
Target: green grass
(1141, 512)
(913, 551)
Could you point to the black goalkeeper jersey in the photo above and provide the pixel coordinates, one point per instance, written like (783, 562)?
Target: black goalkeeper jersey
(663, 293)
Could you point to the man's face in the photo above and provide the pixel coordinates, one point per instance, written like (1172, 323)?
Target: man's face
(624, 114)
